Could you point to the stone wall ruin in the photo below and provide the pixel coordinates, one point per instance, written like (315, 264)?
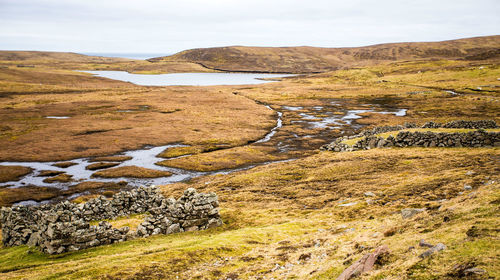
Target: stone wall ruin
(369, 139)
(65, 227)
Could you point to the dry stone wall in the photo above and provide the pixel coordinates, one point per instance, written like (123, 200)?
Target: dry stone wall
(369, 139)
(65, 226)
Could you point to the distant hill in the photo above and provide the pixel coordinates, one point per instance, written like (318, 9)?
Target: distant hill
(54, 56)
(313, 59)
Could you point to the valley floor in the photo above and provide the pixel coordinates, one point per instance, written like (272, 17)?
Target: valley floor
(306, 218)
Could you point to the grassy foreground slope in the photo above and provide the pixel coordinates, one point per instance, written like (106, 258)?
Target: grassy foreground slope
(313, 59)
(287, 221)
(302, 219)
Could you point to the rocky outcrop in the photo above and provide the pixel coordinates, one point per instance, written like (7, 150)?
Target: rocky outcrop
(65, 226)
(370, 140)
(364, 264)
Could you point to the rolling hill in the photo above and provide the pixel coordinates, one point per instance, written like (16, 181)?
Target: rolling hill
(313, 59)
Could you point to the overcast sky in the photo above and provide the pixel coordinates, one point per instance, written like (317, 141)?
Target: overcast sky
(166, 26)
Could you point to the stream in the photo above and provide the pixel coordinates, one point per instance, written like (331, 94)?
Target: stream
(317, 121)
(323, 118)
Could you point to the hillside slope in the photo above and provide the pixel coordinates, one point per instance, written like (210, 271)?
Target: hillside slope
(75, 61)
(55, 56)
(313, 59)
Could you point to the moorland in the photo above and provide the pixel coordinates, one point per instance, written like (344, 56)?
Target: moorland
(290, 211)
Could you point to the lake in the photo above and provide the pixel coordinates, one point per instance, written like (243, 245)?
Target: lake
(188, 79)
(141, 56)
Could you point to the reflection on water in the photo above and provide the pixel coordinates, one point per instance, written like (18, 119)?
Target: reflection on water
(142, 158)
(57, 118)
(188, 79)
(321, 117)
(317, 119)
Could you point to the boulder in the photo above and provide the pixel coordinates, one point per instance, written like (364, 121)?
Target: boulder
(408, 213)
(437, 248)
(364, 264)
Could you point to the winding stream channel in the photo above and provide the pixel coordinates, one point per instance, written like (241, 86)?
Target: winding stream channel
(318, 121)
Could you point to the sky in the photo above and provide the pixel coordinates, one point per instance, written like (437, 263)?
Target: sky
(165, 26)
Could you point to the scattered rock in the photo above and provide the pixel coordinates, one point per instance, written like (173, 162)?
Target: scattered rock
(408, 213)
(437, 248)
(474, 271)
(423, 243)
(364, 264)
(467, 187)
(369, 194)
(467, 269)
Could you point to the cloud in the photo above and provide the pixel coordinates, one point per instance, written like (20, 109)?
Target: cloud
(168, 26)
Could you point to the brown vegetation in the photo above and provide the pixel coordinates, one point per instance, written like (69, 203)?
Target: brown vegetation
(13, 173)
(311, 59)
(224, 159)
(9, 196)
(309, 218)
(101, 165)
(96, 127)
(74, 61)
(131, 171)
(49, 173)
(112, 158)
(65, 164)
(62, 178)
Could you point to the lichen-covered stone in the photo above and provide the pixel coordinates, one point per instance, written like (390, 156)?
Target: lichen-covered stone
(369, 140)
(65, 227)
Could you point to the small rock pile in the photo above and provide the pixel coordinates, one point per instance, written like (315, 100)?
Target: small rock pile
(65, 226)
(369, 140)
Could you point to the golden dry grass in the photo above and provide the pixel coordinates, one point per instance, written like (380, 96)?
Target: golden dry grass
(282, 220)
(130, 171)
(60, 60)
(65, 164)
(112, 158)
(49, 173)
(13, 173)
(289, 213)
(9, 196)
(63, 178)
(224, 159)
(190, 115)
(311, 59)
(101, 165)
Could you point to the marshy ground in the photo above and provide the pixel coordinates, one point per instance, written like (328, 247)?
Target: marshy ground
(286, 219)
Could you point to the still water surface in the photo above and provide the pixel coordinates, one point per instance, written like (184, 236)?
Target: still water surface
(188, 79)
